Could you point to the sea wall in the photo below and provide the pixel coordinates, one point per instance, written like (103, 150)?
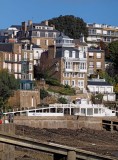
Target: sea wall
(69, 122)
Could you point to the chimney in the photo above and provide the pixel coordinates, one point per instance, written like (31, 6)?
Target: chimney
(24, 26)
(29, 23)
(46, 22)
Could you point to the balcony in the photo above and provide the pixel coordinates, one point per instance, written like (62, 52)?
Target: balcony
(75, 70)
(65, 44)
(75, 59)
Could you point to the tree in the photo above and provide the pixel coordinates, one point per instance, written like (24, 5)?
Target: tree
(70, 25)
(104, 47)
(8, 84)
(113, 49)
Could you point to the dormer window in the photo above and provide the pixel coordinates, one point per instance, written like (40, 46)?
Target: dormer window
(66, 54)
(73, 54)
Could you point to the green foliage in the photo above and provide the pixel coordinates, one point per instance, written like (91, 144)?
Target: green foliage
(67, 91)
(97, 99)
(39, 73)
(43, 93)
(52, 81)
(64, 90)
(104, 47)
(8, 83)
(70, 25)
(113, 49)
(62, 100)
(116, 88)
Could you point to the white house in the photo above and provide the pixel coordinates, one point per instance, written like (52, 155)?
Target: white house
(101, 86)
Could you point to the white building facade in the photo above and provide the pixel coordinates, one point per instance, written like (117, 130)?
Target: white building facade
(101, 32)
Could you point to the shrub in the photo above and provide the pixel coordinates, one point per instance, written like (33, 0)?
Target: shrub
(52, 81)
(62, 100)
(43, 93)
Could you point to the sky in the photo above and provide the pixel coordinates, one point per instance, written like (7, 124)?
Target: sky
(13, 12)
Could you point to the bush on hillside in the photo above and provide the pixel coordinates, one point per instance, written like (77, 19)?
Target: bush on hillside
(43, 93)
(62, 100)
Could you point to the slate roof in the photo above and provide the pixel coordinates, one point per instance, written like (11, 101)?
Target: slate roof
(94, 50)
(43, 30)
(35, 46)
(77, 42)
(98, 83)
(16, 26)
(6, 47)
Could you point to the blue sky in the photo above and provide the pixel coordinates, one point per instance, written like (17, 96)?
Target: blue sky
(91, 11)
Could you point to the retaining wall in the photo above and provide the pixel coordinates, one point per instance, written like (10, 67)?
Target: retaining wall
(69, 122)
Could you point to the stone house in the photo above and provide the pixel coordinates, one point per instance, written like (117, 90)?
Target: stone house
(96, 61)
(66, 63)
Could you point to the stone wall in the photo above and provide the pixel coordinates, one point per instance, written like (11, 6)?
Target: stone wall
(24, 99)
(70, 122)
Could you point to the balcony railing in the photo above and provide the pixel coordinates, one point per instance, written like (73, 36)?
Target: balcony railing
(74, 59)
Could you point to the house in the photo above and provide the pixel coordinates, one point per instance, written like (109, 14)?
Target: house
(96, 61)
(40, 34)
(101, 32)
(66, 63)
(96, 86)
(9, 34)
(10, 58)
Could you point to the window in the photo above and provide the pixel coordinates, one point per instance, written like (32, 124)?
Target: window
(66, 54)
(81, 75)
(15, 57)
(31, 56)
(19, 57)
(54, 35)
(98, 55)
(46, 42)
(80, 83)
(38, 34)
(91, 65)
(46, 34)
(38, 42)
(68, 65)
(25, 55)
(30, 66)
(9, 57)
(73, 83)
(82, 66)
(98, 64)
(73, 74)
(30, 76)
(90, 55)
(66, 74)
(73, 54)
(67, 82)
